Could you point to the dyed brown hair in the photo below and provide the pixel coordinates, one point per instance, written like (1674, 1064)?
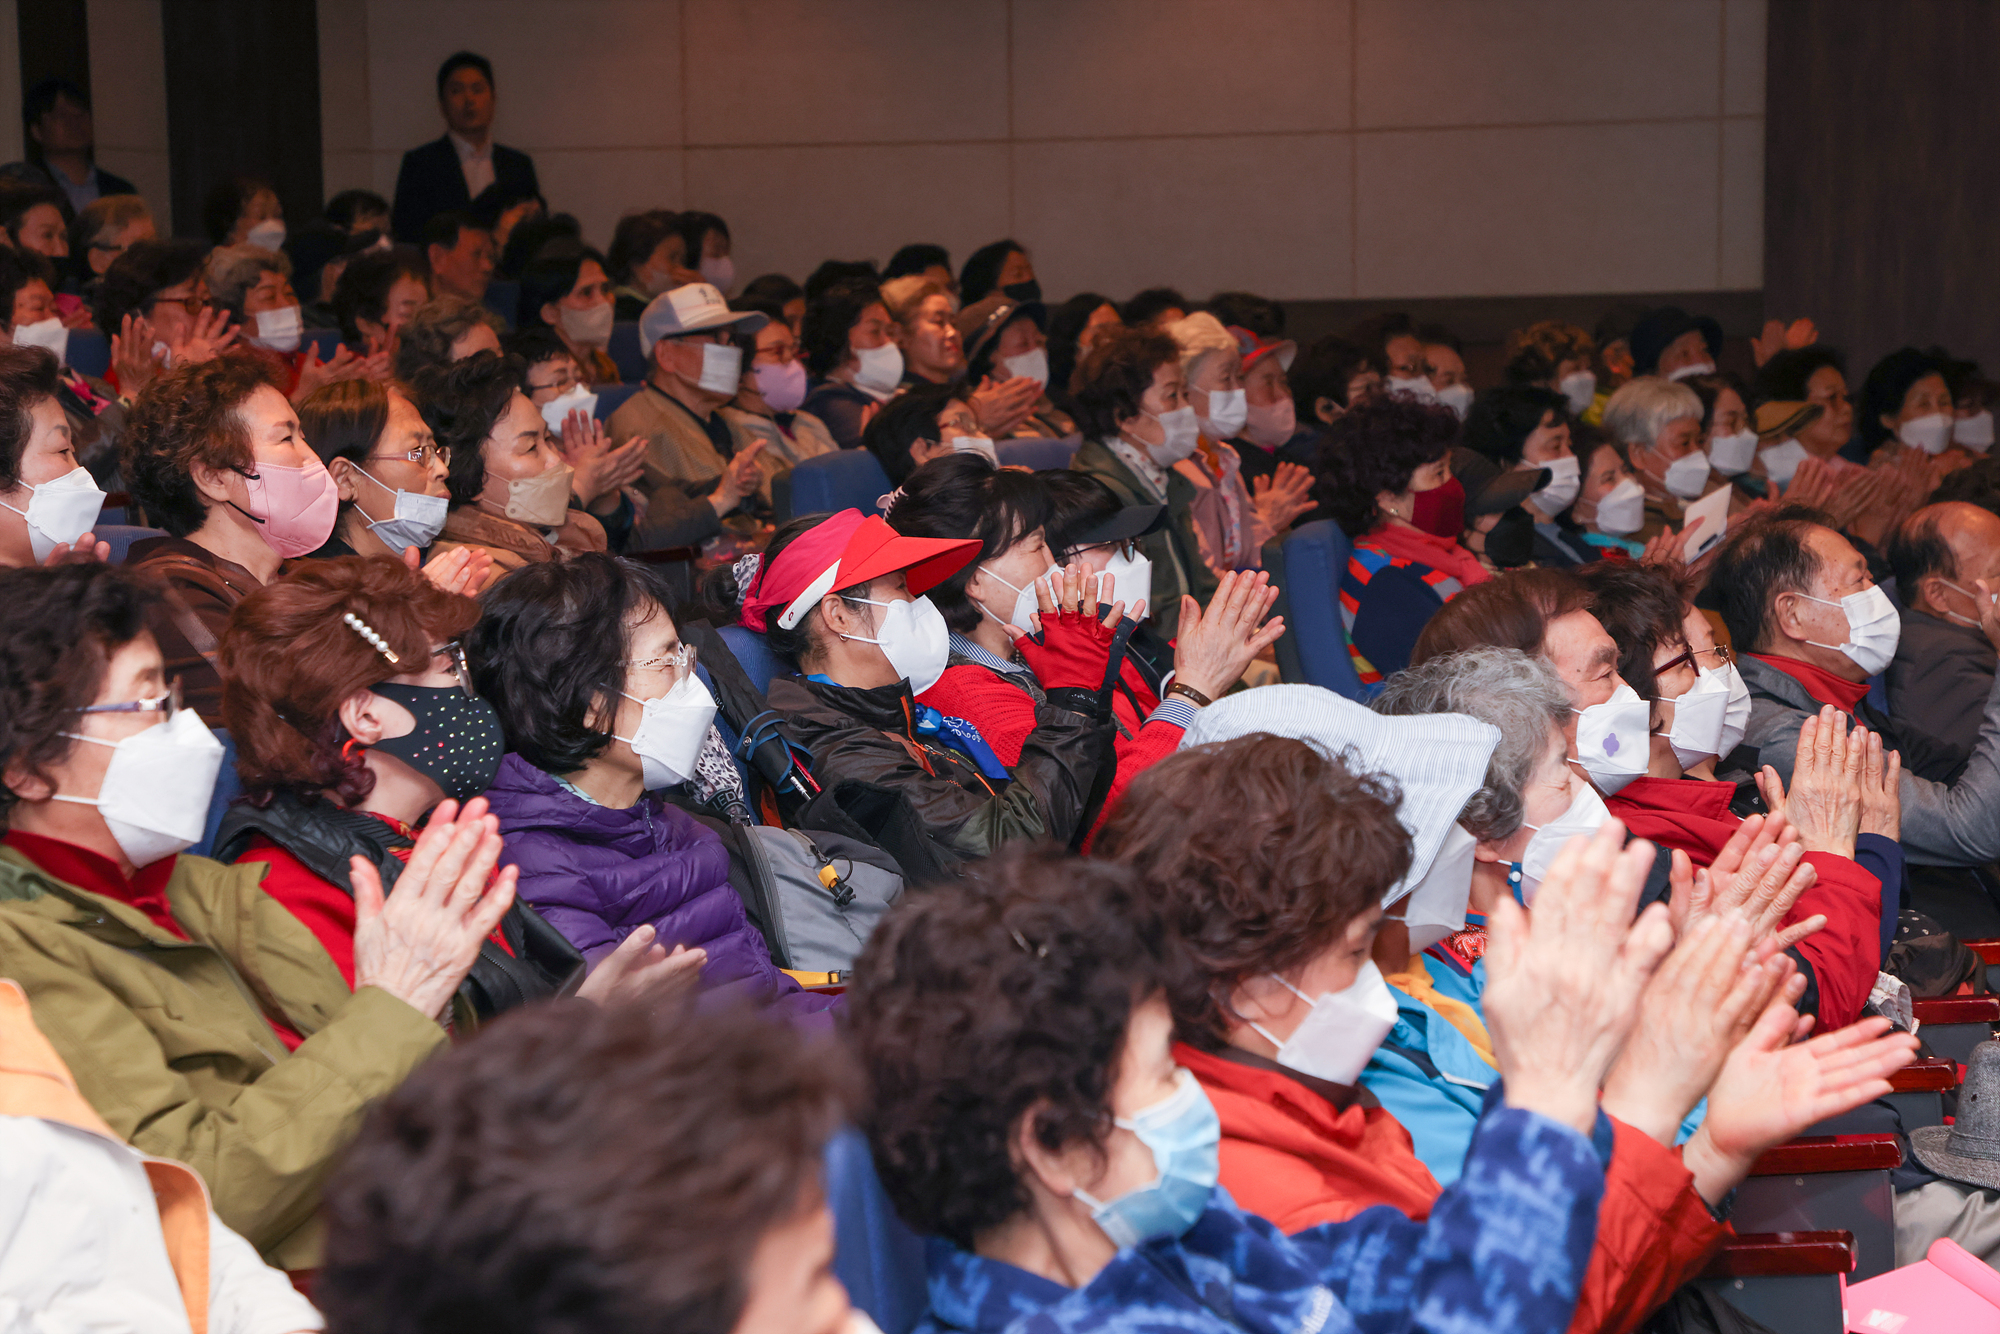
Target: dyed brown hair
(1510, 610)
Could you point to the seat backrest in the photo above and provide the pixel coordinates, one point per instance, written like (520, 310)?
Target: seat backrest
(844, 479)
(875, 1255)
(624, 350)
(88, 351)
(1313, 556)
(1037, 453)
(503, 298)
(228, 787)
(754, 655)
(121, 537)
(611, 397)
(326, 340)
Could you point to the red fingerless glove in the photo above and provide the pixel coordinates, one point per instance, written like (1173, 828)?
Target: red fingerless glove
(1075, 651)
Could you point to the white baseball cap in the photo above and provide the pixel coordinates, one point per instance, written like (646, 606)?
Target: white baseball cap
(693, 308)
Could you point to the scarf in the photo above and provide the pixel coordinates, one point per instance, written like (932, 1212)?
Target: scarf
(1821, 684)
(1442, 554)
(1691, 814)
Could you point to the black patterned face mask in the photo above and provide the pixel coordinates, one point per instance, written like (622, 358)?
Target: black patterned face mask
(457, 742)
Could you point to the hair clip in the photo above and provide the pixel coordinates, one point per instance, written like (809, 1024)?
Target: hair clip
(1039, 951)
(746, 570)
(367, 632)
(885, 503)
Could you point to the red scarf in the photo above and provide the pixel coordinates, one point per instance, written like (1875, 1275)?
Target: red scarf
(1691, 814)
(1821, 684)
(1439, 553)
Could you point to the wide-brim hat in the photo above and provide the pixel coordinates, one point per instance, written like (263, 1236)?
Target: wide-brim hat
(847, 549)
(1489, 488)
(981, 323)
(692, 308)
(1969, 1149)
(1781, 419)
(1659, 327)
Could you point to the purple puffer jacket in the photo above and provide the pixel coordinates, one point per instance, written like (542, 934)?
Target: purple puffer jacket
(599, 874)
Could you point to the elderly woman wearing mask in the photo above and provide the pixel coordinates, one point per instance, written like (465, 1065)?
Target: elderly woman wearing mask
(1556, 356)
(1659, 422)
(48, 502)
(1301, 1145)
(1004, 341)
(1526, 427)
(1069, 1179)
(254, 286)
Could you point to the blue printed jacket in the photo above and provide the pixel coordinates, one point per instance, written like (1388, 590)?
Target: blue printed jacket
(1504, 1249)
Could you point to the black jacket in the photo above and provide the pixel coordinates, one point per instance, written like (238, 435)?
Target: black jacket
(431, 182)
(1065, 767)
(1939, 681)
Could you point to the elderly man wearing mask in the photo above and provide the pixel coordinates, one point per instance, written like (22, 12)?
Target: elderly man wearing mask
(1659, 422)
(1947, 564)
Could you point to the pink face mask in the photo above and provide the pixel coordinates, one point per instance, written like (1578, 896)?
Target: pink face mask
(293, 508)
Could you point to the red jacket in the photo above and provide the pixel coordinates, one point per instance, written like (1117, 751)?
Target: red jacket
(1004, 713)
(1693, 815)
(1288, 1156)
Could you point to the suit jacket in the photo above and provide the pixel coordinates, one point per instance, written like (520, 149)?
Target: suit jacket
(1939, 680)
(431, 182)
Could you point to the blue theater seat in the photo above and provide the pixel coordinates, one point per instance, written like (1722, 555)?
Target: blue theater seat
(611, 397)
(1037, 453)
(121, 537)
(88, 351)
(875, 1255)
(1307, 566)
(753, 655)
(624, 350)
(844, 479)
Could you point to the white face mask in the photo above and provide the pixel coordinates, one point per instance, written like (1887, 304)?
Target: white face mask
(590, 326)
(721, 368)
(1270, 424)
(1034, 365)
(880, 370)
(1420, 389)
(1228, 409)
(1585, 815)
(718, 271)
(1736, 714)
(154, 797)
(1956, 616)
(670, 733)
(1457, 397)
(1623, 509)
(279, 329)
(270, 234)
(556, 411)
(1873, 628)
(1975, 432)
(419, 518)
(976, 444)
(60, 510)
(1437, 904)
(1689, 372)
(541, 501)
(1131, 583)
(914, 638)
(1025, 602)
(1687, 476)
(1579, 387)
(1565, 480)
(1611, 739)
(1699, 716)
(48, 333)
(1181, 432)
(1782, 460)
(1931, 434)
(163, 354)
(1732, 454)
(1341, 1031)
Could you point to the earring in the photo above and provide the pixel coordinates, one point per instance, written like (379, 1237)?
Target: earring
(349, 747)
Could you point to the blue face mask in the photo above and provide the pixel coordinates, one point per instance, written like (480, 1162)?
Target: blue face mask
(1185, 1136)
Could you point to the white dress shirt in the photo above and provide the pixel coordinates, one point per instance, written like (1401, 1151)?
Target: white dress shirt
(476, 163)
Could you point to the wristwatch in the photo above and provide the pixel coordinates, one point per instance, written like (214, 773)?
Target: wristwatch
(1190, 694)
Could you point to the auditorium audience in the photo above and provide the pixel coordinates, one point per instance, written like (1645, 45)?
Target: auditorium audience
(1272, 436)
(1330, 378)
(1527, 426)
(460, 254)
(35, 217)
(253, 287)
(705, 242)
(258, 1088)
(152, 303)
(933, 348)
(1554, 355)
(1000, 265)
(849, 345)
(1075, 327)
(464, 170)
(103, 231)
(1004, 343)
(443, 330)
(1670, 343)
(1908, 408)
(1947, 564)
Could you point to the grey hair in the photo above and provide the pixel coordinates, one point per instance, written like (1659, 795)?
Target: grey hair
(234, 270)
(1515, 692)
(1642, 408)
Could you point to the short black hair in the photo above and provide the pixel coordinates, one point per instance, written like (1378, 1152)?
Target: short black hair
(146, 267)
(1112, 380)
(1374, 334)
(1641, 607)
(960, 496)
(1375, 446)
(831, 271)
(552, 276)
(579, 1167)
(775, 288)
(535, 346)
(459, 60)
(225, 203)
(1888, 382)
(981, 273)
(362, 293)
(460, 403)
(27, 376)
(550, 649)
(1783, 379)
(63, 624)
(1324, 370)
(17, 197)
(635, 238)
(694, 228)
(531, 237)
(1438, 334)
(905, 419)
(830, 316)
(1010, 995)
(1065, 335)
(915, 258)
(443, 229)
(1077, 503)
(1501, 420)
(41, 99)
(1246, 310)
(18, 268)
(1145, 305)
(1918, 550)
(345, 207)
(1764, 558)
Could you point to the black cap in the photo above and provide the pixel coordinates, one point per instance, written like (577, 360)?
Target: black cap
(1658, 328)
(1124, 525)
(1489, 488)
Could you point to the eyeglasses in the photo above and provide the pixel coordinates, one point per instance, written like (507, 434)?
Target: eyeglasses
(169, 704)
(679, 663)
(421, 456)
(456, 653)
(193, 305)
(1687, 659)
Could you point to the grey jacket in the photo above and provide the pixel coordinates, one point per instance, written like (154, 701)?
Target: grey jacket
(1940, 678)
(1956, 824)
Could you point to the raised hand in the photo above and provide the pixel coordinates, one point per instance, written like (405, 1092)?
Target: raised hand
(1824, 804)
(1075, 647)
(1283, 496)
(209, 336)
(1215, 646)
(741, 478)
(85, 548)
(1563, 983)
(598, 471)
(1003, 406)
(460, 570)
(1881, 789)
(132, 354)
(642, 971)
(418, 945)
(316, 373)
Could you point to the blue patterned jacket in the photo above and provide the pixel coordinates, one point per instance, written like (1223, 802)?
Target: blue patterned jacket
(1504, 1249)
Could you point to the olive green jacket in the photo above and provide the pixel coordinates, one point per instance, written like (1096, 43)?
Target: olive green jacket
(168, 1040)
(1175, 550)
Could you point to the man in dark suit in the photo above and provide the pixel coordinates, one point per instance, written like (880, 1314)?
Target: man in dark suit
(1944, 663)
(465, 170)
